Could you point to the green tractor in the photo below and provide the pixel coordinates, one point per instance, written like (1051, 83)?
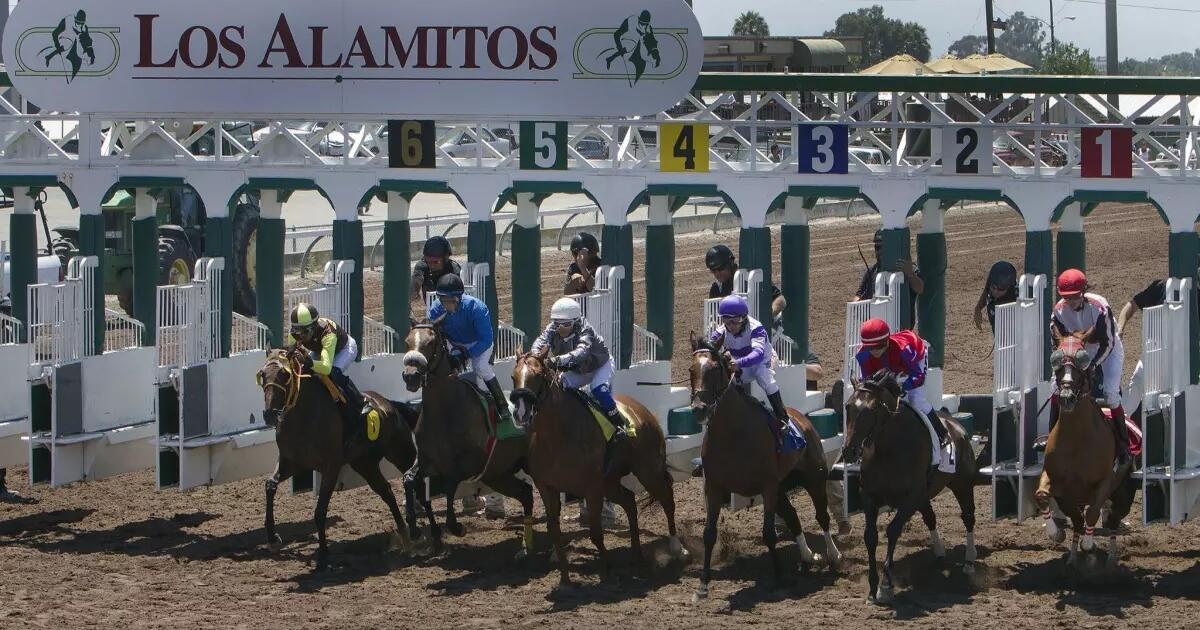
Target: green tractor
(181, 218)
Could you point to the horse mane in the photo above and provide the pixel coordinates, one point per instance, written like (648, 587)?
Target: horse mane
(706, 345)
(885, 380)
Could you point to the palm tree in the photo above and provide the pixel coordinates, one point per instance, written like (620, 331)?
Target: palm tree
(751, 24)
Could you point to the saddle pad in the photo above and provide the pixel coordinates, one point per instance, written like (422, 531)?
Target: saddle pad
(793, 438)
(601, 418)
(498, 429)
(1134, 431)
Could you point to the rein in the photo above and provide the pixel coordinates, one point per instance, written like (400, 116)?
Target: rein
(724, 368)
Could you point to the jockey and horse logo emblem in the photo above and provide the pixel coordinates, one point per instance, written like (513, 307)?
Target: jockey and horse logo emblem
(70, 49)
(633, 51)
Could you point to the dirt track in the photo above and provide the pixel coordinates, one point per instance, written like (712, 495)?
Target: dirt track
(115, 553)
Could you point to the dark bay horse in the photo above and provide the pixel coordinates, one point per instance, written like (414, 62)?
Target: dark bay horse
(566, 453)
(895, 471)
(308, 433)
(739, 458)
(1078, 472)
(452, 436)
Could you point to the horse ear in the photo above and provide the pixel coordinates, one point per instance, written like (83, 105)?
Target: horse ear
(694, 340)
(437, 323)
(720, 341)
(543, 353)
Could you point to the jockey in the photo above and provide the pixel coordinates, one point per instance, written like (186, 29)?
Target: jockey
(585, 261)
(1087, 316)
(331, 351)
(1000, 289)
(435, 264)
(583, 359)
(468, 330)
(902, 353)
(746, 340)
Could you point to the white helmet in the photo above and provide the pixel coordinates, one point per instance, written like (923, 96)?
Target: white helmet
(566, 309)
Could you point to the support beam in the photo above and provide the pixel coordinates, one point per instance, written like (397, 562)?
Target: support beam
(348, 245)
(22, 234)
(397, 234)
(617, 247)
(145, 264)
(268, 265)
(1072, 243)
(660, 273)
(1183, 259)
(527, 269)
(481, 248)
(218, 243)
(897, 245)
(931, 304)
(754, 252)
(1039, 255)
(91, 243)
(794, 249)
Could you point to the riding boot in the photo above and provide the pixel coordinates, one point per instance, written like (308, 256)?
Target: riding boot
(939, 428)
(619, 436)
(1039, 445)
(354, 408)
(497, 393)
(1121, 433)
(781, 415)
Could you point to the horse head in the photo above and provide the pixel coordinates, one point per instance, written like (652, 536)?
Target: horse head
(711, 374)
(532, 381)
(279, 379)
(1072, 365)
(874, 401)
(426, 353)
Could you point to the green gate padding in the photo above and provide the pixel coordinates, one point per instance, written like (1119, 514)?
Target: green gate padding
(1039, 259)
(396, 266)
(91, 243)
(1183, 259)
(145, 276)
(617, 247)
(896, 247)
(931, 305)
(481, 248)
(794, 245)
(754, 252)
(218, 242)
(268, 277)
(660, 285)
(527, 281)
(22, 230)
(1072, 250)
(348, 245)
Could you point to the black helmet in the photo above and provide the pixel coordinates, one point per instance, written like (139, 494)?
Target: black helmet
(438, 246)
(582, 240)
(644, 17)
(450, 285)
(1003, 275)
(719, 257)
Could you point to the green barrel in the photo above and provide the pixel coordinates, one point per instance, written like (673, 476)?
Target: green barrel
(967, 420)
(827, 423)
(681, 421)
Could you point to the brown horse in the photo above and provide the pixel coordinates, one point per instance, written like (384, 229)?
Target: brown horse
(566, 455)
(1079, 472)
(895, 471)
(452, 435)
(308, 433)
(739, 457)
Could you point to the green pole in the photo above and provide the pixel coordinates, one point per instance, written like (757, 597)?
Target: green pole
(794, 250)
(617, 246)
(1072, 250)
(1182, 259)
(218, 243)
(396, 265)
(91, 243)
(931, 304)
(481, 248)
(268, 276)
(754, 252)
(1039, 259)
(527, 281)
(896, 247)
(145, 276)
(660, 285)
(348, 245)
(22, 230)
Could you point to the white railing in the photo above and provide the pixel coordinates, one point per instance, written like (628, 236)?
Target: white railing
(10, 330)
(785, 350)
(475, 277)
(1165, 328)
(189, 317)
(883, 305)
(59, 315)
(248, 335)
(745, 284)
(602, 307)
(121, 332)
(510, 342)
(1018, 349)
(331, 297)
(645, 346)
(378, 338)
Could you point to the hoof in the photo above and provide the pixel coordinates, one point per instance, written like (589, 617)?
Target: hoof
(456, 529)
(884, 596)
(1087, 543)
(274, 542)
(834, 561)
(844, 528)
(521, 555)
(969, 568)
(700, 595)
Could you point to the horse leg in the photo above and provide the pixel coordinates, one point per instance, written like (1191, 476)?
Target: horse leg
(894, 530)
(964, 492)
(595, 507)
(452, 524)
(283, 472)
(770, 497)
(787, 512)
(517, 489)
(935, 540)
(871, 540)
(659, 485)
(1043, 499)
(818, 493)
(370, 473)
(329, 479)
(624, 497)
(715, 501)
(553, 504)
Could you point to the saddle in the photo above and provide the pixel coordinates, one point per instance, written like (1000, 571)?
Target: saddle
(949, 461)
(497, 428)
(793, 437)
(606, 427)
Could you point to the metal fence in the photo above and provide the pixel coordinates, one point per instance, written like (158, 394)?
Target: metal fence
(10, 330)
(189, 317)
(1165, 327)
(378, 338)
(331, 297)
(248, 335)
(645, 345)
(1018, 350)
(602, 307)
(57, 315)
(510, 342)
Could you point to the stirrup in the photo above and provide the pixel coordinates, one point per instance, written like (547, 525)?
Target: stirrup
(1039, 445)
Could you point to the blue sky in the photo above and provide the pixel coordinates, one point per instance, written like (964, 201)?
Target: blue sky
(1144, 32)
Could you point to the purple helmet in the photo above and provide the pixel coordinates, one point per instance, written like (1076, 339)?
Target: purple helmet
(734, 306)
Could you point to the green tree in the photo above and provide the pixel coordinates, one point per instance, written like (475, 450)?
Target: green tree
(1068, 60)
(1024, 39)
(883, 37)
(969, 45)
(751, 24)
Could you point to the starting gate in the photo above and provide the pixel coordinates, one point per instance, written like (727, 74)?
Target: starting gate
(602, 307)
(509, 341)
(1171, 453)
(1019, 399)
(209, 408)
(67, 376)
(14, 392)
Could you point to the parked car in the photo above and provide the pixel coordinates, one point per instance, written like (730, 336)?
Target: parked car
(460, 143)
(592, 148)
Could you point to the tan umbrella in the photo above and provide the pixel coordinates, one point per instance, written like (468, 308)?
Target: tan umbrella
(899, 65)
(953, 65)
(996, 62)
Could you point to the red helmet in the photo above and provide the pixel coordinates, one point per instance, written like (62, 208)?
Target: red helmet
(1071, 282)
(874, 333)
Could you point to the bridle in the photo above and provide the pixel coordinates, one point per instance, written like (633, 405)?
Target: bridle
(290, 365)
(436, 355)
(529, 395)
(875, 390)
(698, 403)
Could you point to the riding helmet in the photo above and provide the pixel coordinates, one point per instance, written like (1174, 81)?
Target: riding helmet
(1003, 275)
(733, 306)
(438, 247)
(1071, 282)
(565, 310)
(450, 285)
(874, 333)
(719, 257)
(304, 316)
(582, 240)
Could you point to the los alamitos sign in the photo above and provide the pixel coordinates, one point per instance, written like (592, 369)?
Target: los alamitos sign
(476, 58)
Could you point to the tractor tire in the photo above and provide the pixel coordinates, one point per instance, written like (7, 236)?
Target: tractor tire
(245, 239)
(64, 247)
(175, 260)
(125, 291)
